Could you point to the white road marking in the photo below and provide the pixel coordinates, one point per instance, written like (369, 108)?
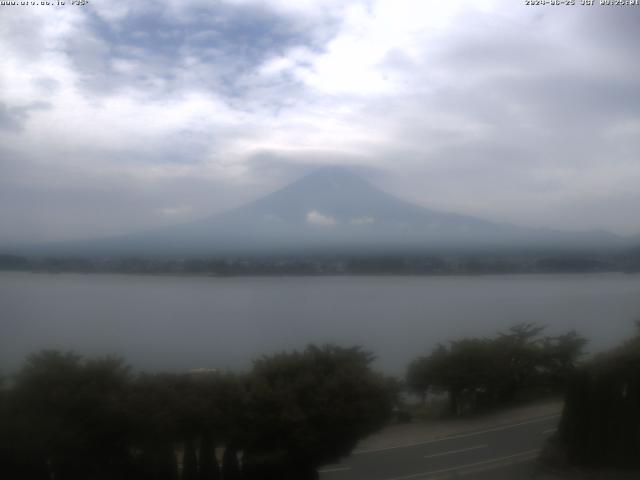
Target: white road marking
(468, 465)
(455, 437)
(451, 452)
(337, 469)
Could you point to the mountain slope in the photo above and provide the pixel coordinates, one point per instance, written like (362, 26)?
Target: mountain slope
(334, 210)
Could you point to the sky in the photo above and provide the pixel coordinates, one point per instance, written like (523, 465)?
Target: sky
(119, 116)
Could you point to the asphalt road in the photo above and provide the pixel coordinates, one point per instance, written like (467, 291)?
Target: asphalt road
(501, 453)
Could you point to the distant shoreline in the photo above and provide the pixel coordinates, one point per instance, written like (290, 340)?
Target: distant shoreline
(335, 265)
(317, 275)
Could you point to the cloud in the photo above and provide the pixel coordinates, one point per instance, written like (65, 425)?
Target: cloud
(490, 108)
(320, 220)
(362, 221)
(176, 211)
(13, 118)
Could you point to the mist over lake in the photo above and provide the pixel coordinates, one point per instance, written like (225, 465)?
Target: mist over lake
(177, 323)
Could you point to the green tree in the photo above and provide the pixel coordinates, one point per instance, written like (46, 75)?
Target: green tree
(309, 408)
(428, 373)
(184, 410)
(230, 465)
(152, 408)
(518, 356)
(561, 355)
(69, 417)
(189, 461)
(478, 372)
(209, 468)
(600, 424)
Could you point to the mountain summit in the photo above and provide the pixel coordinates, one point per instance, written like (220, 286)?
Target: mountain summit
(334, 210)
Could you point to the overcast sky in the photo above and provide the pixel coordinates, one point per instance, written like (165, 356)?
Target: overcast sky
(119, 116)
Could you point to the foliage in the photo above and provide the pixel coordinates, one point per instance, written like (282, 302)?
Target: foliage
(230, 465)
(70, 418)
(310, 408)
(479, 372)
(600, 425)
(209, 468)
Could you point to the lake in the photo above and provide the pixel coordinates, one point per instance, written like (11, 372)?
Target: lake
(174, 322)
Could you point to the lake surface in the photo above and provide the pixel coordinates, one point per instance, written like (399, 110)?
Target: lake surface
(170, 322)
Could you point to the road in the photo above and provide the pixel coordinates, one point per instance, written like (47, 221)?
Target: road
(500, 453)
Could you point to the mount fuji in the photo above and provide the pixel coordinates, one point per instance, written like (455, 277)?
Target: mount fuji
(333, 210)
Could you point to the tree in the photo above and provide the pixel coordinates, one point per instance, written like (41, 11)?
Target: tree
(478, 372)
(184, 410)
(600, 424)
(220, 409)
(560, 357)
(69, 419)
(230, 466)
(309, 408)
(209, 469)
(465, 370)
(153, 409)
(190, 461)
(428, 373)
(7, 450)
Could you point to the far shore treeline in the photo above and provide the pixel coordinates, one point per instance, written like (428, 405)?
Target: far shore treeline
(363, 263)
(71, 418)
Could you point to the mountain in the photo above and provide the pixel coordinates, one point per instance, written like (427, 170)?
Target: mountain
(333, 210)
